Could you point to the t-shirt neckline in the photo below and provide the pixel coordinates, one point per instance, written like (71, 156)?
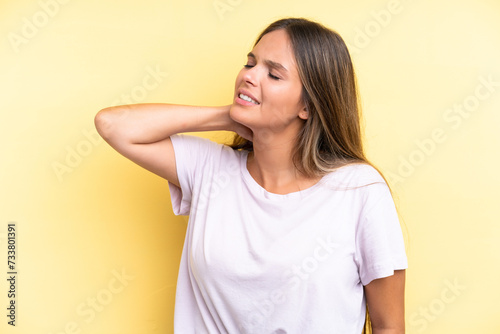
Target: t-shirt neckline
(262, 192)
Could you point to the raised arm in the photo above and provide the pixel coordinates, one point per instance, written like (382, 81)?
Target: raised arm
(141, 132)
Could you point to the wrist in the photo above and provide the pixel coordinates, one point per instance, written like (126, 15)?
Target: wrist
(224, 121)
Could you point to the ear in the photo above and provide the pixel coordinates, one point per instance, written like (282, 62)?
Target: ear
(304, 114)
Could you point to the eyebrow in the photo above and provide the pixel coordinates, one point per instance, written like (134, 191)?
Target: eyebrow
(270, 63)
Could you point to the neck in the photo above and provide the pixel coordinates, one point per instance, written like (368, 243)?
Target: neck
(271, 165)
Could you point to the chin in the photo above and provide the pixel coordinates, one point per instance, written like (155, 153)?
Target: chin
(237, 114)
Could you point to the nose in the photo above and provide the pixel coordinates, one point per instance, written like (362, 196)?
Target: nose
(250, 76)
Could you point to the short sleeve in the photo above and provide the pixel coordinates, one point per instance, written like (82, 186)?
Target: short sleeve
(380, 245)
(192, 158)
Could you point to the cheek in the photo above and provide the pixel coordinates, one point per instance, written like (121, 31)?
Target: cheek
(285, 99)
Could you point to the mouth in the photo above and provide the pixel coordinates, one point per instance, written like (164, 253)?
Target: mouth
(248, 98)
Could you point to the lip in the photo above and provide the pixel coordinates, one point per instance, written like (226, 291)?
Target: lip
(247, 93)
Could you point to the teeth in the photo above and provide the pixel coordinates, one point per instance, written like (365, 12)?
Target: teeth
(246, 98)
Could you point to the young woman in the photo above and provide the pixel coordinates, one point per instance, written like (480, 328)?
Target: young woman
(291, 229)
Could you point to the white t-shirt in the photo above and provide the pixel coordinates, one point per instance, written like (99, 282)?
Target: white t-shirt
(259, 262)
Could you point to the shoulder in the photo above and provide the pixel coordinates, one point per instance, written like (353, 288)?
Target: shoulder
(203, 148)
(373, 191)
(355, 175)
(193, 141)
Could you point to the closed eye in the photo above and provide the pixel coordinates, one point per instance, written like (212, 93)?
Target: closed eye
(270, 75)
(273, 76)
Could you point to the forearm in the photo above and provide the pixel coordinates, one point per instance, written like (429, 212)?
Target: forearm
(151, 122)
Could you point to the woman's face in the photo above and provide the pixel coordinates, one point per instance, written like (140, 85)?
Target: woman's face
(268, 89)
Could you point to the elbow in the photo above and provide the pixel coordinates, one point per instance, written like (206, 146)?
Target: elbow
(103, 122)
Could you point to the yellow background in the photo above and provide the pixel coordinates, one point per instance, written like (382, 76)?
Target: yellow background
(85, 214)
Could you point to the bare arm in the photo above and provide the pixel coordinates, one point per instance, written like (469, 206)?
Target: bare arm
(385, 299)
(141, 132)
